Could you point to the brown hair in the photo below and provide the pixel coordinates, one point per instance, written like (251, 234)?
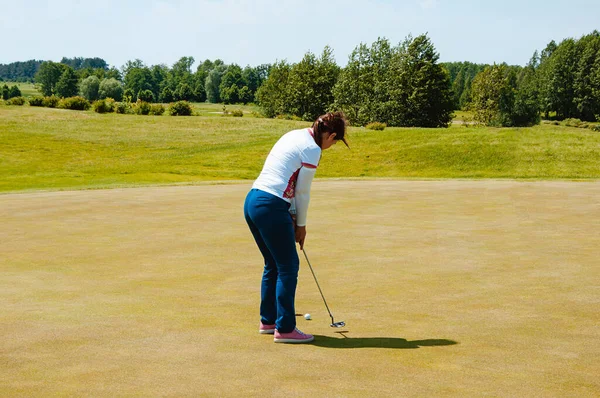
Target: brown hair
(331, 122)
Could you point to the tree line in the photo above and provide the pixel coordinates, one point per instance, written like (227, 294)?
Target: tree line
(212, 81)
(400, 85)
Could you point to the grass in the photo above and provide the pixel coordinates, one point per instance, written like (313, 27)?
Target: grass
(42, 148)
(27, 89)
(448, 288)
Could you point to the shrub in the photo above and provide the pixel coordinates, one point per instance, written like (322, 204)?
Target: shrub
(103, 106)
(16, 101)
(146, 96)
(257, 114)
(237, 113)
(157, 109)
(571, 122)
(142, 108)
(74, 104)
(128, 95)
(51, 102)
(122, 107)
(14, 92)
(596, 127)
(36, 101)
(180, 108)
(376, 126)
(110, 104)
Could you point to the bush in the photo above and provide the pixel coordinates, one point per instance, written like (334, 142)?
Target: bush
(122, 107)
(376, 126)
(146, 96)
(157, 109)
(103, 106)
(571, 122)
(51, 102)
(237, 113)
(16, 101)
(128, 95)
(142, 108)
(36, 101)
(180, 108)
(14, 92)
(257, 114)
(595, 127)
(74, 104)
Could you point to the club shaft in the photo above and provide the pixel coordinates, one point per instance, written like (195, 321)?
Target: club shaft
(317, 282)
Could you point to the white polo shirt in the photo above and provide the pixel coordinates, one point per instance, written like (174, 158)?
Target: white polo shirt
(295, 155)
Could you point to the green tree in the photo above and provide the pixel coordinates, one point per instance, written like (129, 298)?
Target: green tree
(5, 92)
(465, 98)
(166, 95)
(587, 103)
(159, 80)
(562, 78)
(231, 84)
(67, 85)
(419, 86)
(14, 92)
(526, 108)
(89, 88)
(486, 91)
(199, 92)
(354, 88)
(138, 79)
(110, 88)
(48, 75)
(146, 96)
(184, 92)
(500, 100)
(213, 82)
(272, 96)
(245, 95)
(310, 85)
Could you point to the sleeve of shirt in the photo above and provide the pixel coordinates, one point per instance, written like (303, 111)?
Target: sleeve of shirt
(302, 197)
(310, 157)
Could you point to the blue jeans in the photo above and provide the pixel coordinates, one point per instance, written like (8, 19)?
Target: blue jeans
(271, 225)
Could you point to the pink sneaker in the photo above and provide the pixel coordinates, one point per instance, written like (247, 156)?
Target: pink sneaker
(293, 337)
(266, 329)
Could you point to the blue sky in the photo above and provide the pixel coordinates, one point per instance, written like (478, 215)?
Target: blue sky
(263, 31)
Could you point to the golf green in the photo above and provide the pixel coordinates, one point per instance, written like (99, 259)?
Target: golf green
(448, 288)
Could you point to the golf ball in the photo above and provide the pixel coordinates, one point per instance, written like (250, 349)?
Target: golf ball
(307, 317)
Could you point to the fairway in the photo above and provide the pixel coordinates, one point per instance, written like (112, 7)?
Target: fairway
(448, 288)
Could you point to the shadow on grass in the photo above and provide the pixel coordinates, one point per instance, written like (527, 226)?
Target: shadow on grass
(377, 342)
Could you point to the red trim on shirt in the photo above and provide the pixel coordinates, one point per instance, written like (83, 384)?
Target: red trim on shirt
(310, 166)
(290, 191)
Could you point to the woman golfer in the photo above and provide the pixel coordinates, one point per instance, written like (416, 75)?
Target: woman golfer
(276, 209)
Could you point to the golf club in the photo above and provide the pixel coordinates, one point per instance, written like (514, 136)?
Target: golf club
(334, 324)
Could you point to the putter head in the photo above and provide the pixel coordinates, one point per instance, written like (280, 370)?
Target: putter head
(340, 324)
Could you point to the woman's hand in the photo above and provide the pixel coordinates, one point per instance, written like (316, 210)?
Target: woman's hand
(301, 236)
